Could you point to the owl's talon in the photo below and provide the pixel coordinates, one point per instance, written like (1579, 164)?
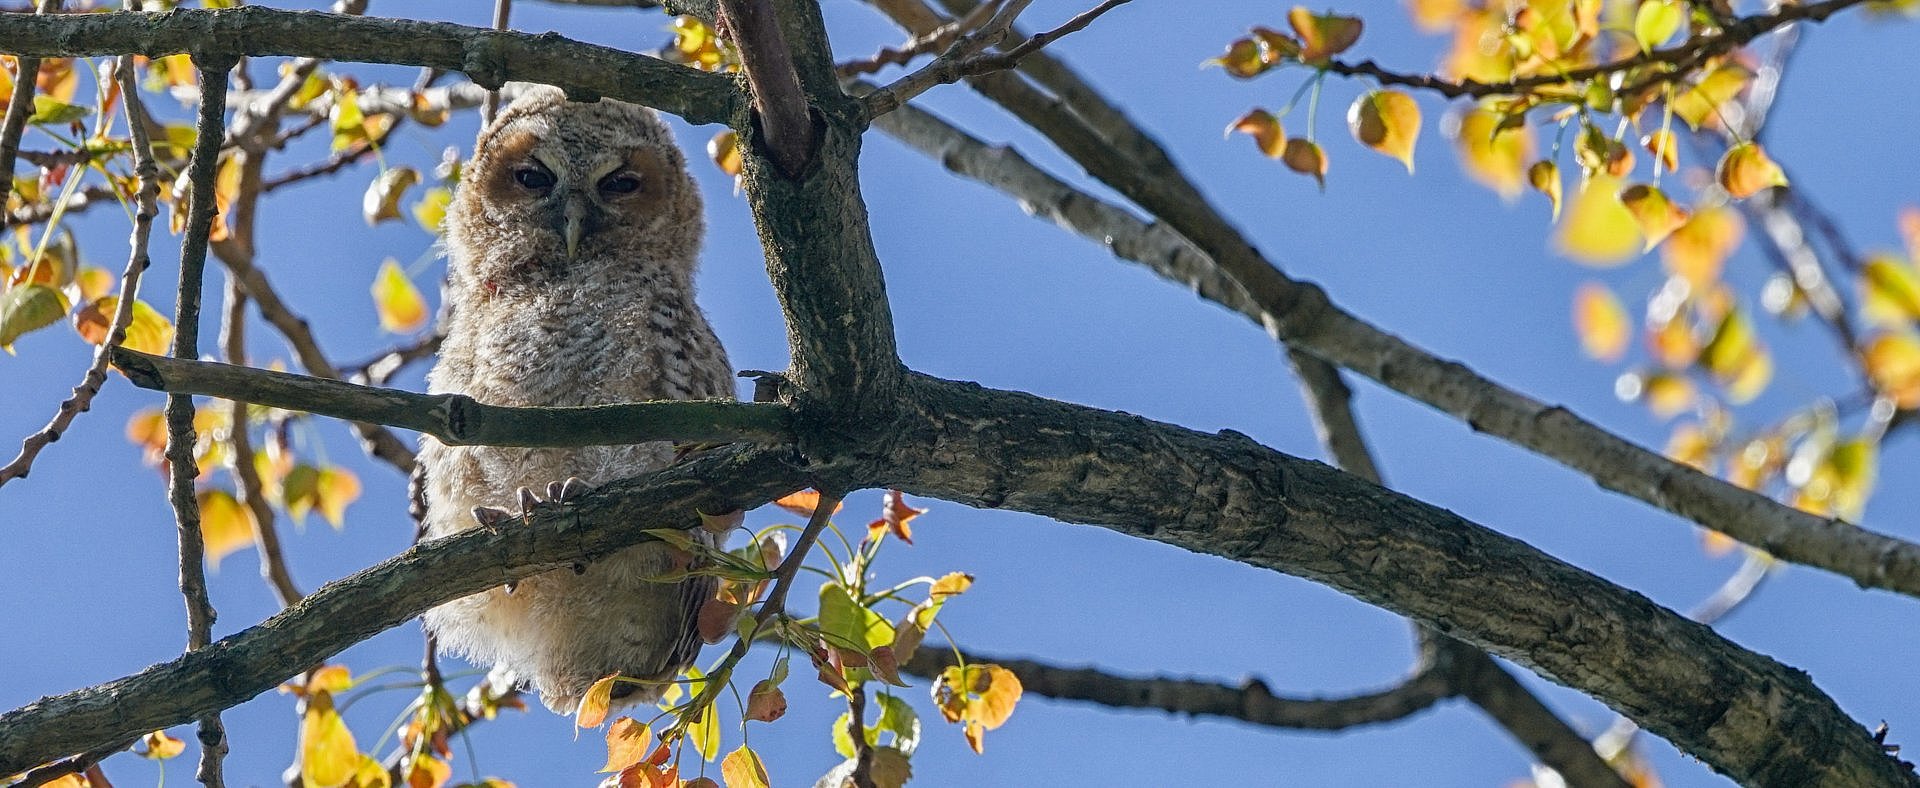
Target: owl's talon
(527, 501)
(568, 490)
(553, 491)
(491, 517)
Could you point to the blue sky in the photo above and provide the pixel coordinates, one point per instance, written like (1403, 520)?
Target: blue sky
(982, 292)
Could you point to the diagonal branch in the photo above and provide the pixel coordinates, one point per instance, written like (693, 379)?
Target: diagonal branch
(460, 420)
(490, 58)
(1228, 269)
(349, 610)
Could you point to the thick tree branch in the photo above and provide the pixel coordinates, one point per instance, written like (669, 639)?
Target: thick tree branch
(459, 420)
(1744, 714)
(1300, 314)
(385, 595)
(1250, 702)
(767, 63)
(490, 58)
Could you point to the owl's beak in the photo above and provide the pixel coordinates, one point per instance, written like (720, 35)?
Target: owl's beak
(575, 212)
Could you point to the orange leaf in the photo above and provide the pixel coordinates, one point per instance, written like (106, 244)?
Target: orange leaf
(742, 769)
(159, 746)
(1893, 363)
(426, 771)
(1698, 249)
(628, 741)
(1745, 170)
(804, 502)
(1600, 322)
(1656, 215)
(896, 514)
(766, 702)
(715, 620)
(1264, 128)
(1305, 157)
(1322, 35)
(1387, 121)
(594, 704)
(1665, 149)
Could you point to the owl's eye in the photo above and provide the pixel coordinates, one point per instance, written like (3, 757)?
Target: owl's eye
(620, 183)
(533, 178)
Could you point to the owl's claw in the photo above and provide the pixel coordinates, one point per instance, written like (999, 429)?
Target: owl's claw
(490, 517)
(527, 501)
(568, 490)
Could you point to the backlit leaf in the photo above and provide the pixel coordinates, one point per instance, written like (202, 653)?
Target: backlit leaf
(1494, 155)
(335, 488)
(431, 210)
(1264, 128)
(1736, 358)
(159, 746)
(1241, 60)
(370, 773)
(1544, 176)
(1601, 322)
(742, 769)
(1657, 21)
(1698, 249)
(595, 702)
(1656, 215)
(704, 733)
(1892, 361)
(29, 307)
(847, 622)
(1387, 121)
(382, 198)
(91, 282)
(804, 502)
(724, 150)
(225, 525)
(398, 302)
(50, 111)
(1700, 103)
(895, 516)
(628, 741)
(1745, 170)
(1305, 157)
(1889, 291)
(426, 771)
(1322, 35)
(1665, 393)
(766, 702)
(1665, 148)
(1597, 229)
(147, 332)
(328, 756)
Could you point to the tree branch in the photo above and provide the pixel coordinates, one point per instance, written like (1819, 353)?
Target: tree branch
(1744, 714)
(768, 65)
(1250, 702)
(1213, 256)
(490, 58)
(349, 610)
(460, 420)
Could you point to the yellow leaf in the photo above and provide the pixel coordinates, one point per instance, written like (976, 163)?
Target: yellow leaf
(951, 584)
(382, 198)
(1264, 128)
(1597, 229)
(328, 756)
(91, 282)
(1544, 176)
(1387, 121)
(1598, 153)
(333, 491)
(1690, 445)
(147, 332)
(431, 210)
(159, 746)
(1305, 157)
(1493, 155)
(724, 150)
(29, 307)
(1745, 170)
(1322, 35)
(1736, 358)
(1600, 322)
(426, 771)
(1665, 393)
(1701, 102)
(704, 733)
(1839, 480)
(1892, 361)
(1657, 21)
(225, 525)
(1656, 216)
(628, 742)
(1241, 60)
(401, 308)
(1910, 230)
(742, 769)
(1889, 291)
(1698, 249)
(350, 126)
(371, 774)
(1665, 148)
(1434, 16)
(594, 704)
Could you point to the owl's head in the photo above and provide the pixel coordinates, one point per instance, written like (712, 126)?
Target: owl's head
(559, 189)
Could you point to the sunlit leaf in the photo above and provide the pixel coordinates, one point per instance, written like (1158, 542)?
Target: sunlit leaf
(370, 773)
(1597, 229)
(29, 307)
(742, 769)
(382, 198)
(1656, 216)
(704, 733)
(1264, 128)
(1494, 155)
(225, 525)
(1745, 170)
(1892, 361)
(1276, 47)
(1665, 393)
(1700, 103)
(1322, 35)
(1736, 358)
(628, 741)
(804, 502)
(431, 210)
(426, 771)
(159, 746)
(1601, 322)
(91, 282)
(1387, 121)
(1835, 479)
(396, 300)
(896, 516)
(594, 702)
(844, 618)
(147, 332)
(50, 111)
(1665, 148)
(1305, 157)
(328, 756)
(766, 703)
(1657, 21)
(1434, 16)
(1698, 249)
(1599, 153)
(1242, 59)
(1889, 291)
(724, 150)
(350, 127)
(335, 488)
(1544, 176)
(1690, 445)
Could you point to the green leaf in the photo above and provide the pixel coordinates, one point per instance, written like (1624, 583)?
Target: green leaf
(50, 111)
(1657, 21)
(845, 620)
(899, 719)
(29, 307)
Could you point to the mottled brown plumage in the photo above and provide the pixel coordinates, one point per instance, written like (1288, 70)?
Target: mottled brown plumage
(572, 242)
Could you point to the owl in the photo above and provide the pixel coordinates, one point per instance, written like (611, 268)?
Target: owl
(571, 242)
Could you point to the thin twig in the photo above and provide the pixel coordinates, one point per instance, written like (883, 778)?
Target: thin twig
(790, 566)
(19, 109)
(266, 537)
(960, 61)
(862, 776)
(939, 38)
(502, 9)
(380, 369)
(75, 764)
(181, 463)
(137, 261)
